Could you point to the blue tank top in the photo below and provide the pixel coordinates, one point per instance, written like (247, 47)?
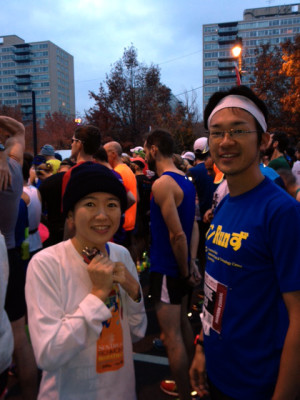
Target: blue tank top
(161, 253)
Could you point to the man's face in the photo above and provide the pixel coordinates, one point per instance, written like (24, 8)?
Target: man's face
(110, 154)
(209, 165)
(75, 147)
(270, 147)
(235, 155)
(150, 160)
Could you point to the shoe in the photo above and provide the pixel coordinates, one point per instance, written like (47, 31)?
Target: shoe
(169, 387)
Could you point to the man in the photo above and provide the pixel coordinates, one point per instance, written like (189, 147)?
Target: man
(85, 143)
(172, 215)
(50, 190)
(6, 335)
(250, 320)
(48, 152)
(114, 154)
(142, 232)
(276, 151)
(11, 187)
(205, 188)
(296, 166)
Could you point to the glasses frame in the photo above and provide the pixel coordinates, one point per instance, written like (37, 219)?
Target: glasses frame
(233, 133)
(76, 140)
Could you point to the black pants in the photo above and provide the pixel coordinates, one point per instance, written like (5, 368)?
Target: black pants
(3, 381)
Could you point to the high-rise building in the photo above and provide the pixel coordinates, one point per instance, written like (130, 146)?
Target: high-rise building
(272, 25)
(39, 67)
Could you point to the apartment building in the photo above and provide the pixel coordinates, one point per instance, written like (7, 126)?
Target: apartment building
(39, 67)
(259, 26)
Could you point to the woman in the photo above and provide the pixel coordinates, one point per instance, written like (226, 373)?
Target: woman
(81, 312)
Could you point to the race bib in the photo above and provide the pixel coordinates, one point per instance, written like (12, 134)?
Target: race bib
(214, 304)
(110, 356)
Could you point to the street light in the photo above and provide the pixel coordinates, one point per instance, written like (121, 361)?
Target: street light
(237, 53)
(34, 133)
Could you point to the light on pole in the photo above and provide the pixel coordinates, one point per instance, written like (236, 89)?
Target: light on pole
(34, 133)
(237, 53)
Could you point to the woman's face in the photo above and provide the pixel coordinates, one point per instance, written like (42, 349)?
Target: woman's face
(97, 218)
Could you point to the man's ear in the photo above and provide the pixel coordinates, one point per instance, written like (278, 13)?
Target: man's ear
(265, 139)
(153, 149)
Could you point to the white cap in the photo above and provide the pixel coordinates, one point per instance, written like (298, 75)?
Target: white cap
(201, 145)
(136, 149)
(189, 156)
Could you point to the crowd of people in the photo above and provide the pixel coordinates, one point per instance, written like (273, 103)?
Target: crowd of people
(222, 217)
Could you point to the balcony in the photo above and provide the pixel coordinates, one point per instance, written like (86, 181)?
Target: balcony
(226, 65)
(23, 88)
(227, 74)
(22, 49)
(27, 110)
(226, 39)
(228, 28)
(22, 58)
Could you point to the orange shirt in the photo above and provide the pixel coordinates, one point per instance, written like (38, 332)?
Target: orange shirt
(129, 182)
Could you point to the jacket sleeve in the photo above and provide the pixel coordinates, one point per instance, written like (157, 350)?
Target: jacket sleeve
(57, 336)
(137, 317)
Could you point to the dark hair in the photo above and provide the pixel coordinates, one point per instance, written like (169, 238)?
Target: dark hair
(101, 154)
(89, 136)
(239, 91)
(67, 161)
(282, 139)
(163, 140)
(287, 176)
(25, 170)
(201, 156)
(58, 156)
(28, 157)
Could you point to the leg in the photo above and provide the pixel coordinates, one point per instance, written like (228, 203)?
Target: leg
(169, 318)
(187, 330)
(15, 306)
(25, 362)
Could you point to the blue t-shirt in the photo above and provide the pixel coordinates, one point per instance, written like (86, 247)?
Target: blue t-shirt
(204, 185)
(253, 257)
(161, 254)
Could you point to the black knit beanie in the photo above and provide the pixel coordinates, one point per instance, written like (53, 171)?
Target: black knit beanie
(90, 177)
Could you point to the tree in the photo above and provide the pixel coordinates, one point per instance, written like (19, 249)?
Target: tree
(291, 68)
(275, 79)
(58, 130)
(13, 112)
(131, 100)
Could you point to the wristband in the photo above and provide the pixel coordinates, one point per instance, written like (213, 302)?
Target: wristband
(198, 341)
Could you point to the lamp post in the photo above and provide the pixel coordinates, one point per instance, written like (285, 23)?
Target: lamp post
(237, 53)
(34, 123)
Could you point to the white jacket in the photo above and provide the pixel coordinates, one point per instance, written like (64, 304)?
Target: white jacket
(65, 321)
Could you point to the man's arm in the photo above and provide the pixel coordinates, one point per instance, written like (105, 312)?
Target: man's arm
(198, 371)
(14, 133)
(194, 269)
(15, 138)
(288, 382)
(164, 192)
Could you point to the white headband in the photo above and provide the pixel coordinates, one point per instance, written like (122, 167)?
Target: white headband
(243, 102)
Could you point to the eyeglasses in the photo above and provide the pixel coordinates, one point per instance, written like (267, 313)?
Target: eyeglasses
(76, 140)
(233, 133)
